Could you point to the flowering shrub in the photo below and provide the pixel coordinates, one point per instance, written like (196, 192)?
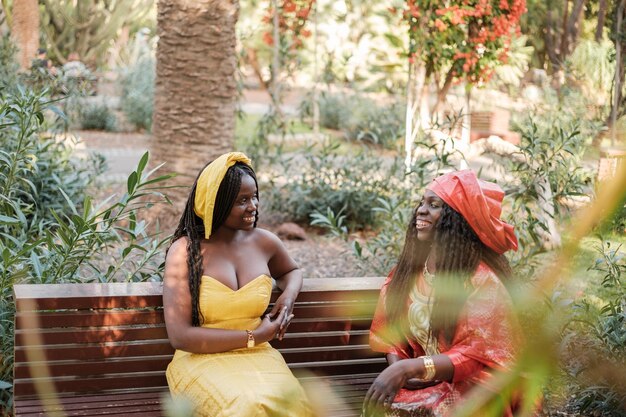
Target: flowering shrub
(464, 38)
(292, 19)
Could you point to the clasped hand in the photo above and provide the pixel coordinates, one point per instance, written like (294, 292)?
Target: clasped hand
(384, 389)
(284, 302)
(275, 322)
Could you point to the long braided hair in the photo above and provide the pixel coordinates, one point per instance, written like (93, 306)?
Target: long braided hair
(192, 226)
(459, 251)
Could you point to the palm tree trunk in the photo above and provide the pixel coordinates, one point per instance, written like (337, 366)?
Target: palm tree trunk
(195, 95)
(25, 31)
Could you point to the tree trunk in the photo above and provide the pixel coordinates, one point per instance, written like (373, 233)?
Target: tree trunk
(417, 111)
(253, 60)
(195, 95)
(563, 46)
(25, 31)
(601, 17)
(550, 42)
(619, 67)
(571, 30)
(442, 92)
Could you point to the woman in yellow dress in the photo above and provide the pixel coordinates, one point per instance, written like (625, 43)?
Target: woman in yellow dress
(217, 285)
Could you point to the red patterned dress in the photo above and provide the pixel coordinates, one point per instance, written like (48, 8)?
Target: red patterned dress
(487, 338)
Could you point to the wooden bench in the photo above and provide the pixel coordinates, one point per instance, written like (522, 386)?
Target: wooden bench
(102, 349)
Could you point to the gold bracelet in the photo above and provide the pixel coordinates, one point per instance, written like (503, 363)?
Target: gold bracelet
(429, 366)
(250, 343)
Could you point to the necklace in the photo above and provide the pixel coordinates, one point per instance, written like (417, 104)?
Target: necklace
(428, 277)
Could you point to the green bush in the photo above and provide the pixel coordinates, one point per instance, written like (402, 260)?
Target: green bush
(379, 124)
(317, 179)
(138, 92)
(97, 117)
(8, 65)
(597, 327)
(552, 148)
(359, 118)
(334, 109)
(51, 232)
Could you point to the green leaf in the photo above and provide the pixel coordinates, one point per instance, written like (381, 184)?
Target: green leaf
(8, 220)
(142, 163)
(34, 261)
(394, 40)
(131, 183)
(70, 203)
(356, 246)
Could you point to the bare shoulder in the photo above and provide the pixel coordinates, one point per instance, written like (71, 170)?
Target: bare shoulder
(267, 240)
(178, 248)
(176, 256)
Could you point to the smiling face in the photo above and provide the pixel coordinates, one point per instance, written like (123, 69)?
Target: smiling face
(427, 215)
(244, 211)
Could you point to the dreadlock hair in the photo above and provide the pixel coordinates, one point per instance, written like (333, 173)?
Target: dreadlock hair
(459, 252)
(192, 226)
(410, 265)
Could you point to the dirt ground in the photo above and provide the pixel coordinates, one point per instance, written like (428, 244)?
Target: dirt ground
(322, 256)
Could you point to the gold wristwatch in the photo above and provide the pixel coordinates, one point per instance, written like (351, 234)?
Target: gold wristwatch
(250, 339)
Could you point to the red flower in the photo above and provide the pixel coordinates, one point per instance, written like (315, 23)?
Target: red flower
(440, 25)
(289, 7)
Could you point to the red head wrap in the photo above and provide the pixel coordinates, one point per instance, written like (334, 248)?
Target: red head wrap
(480, 203)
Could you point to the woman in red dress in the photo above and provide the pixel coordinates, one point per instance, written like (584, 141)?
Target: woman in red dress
(444, 317)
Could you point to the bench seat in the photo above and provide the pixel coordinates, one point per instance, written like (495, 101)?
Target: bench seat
(102, 349)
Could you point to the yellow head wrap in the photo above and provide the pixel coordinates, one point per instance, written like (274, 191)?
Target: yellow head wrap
(208, 184)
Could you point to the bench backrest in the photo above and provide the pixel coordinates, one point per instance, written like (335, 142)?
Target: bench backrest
(83, 338)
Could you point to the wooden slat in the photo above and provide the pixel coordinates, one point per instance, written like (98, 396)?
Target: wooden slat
(77, 321)
(336, 295)
(302, 325)
(334, 309)
(332, 353)
(30, 297)
(88, 318)
(104, 402)
(89, 368)
(322, 339)
(74, 296)
(155, 347)
(86, 399)
(93, 335)
(96, 384)
(96, 302)
(111, 411)
(101, 350)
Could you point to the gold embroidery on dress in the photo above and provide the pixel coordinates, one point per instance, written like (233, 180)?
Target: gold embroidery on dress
(420, 311)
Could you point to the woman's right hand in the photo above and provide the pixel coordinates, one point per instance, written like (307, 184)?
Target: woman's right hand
(269, 328)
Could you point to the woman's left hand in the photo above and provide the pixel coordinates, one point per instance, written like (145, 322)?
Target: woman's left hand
(384, 388)
(284, 301)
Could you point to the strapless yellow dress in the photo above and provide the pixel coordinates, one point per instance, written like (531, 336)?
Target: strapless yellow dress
(244, 382)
